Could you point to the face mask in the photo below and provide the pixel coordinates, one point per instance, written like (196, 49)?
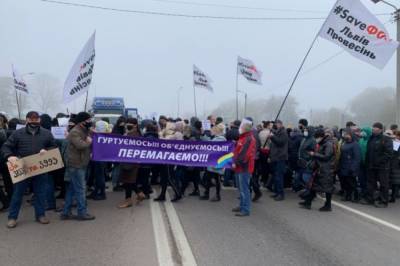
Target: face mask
(306, 134)
(241, 131)
(88, 125)
(318, 140)
(70, 128)
(34, 125)
(129, 128)
(363, 134)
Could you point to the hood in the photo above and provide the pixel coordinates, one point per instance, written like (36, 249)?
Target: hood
(367, 131)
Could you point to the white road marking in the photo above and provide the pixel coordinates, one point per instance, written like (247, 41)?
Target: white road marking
(182, 243)
(367, 216)
(164, 254)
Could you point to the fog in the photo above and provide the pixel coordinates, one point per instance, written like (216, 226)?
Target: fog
(146, 58)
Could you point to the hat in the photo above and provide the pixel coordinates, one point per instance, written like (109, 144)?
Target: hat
(32, 115)
(81, 117)
(303, 122)
(219, 129)
(101, 127)
(279, 122)
(378, 125)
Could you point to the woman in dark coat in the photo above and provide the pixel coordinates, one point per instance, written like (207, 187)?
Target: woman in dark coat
(349, 166)
(129, 171)
(395, 168)
(324, 172)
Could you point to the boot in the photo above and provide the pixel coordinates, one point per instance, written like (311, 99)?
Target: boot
(125, 204)
(140, 197)
(326, 208)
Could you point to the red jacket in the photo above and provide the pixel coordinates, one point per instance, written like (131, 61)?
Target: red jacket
(245, 153)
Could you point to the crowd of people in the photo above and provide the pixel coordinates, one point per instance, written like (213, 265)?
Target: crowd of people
(361, 165)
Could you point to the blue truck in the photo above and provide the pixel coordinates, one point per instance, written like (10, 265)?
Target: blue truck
(111, 108)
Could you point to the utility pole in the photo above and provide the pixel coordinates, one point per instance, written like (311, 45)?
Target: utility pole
(245, 101)
(397, 19)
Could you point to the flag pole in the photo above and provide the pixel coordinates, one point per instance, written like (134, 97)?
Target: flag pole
(195, 102)
(237, 92)
(298, 72)
(18, 107)
(87, 96)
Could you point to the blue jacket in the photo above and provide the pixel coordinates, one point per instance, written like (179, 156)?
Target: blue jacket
(350, 159)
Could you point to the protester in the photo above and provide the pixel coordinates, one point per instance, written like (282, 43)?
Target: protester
(232, 134)
(378, 159)
(278, 158)
(213, 174)
(304, 163)
(30, 140)
(243, 164)
(395, 168)
(118, 129)
(99, 168)
(3, 138)
(324, 171)
(349, 166)
(78, 157)
(129, 171)
(264, 152)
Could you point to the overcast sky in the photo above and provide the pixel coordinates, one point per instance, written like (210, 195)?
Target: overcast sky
(146, 58)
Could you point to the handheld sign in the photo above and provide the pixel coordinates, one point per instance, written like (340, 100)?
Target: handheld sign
(35, 165)
(59, 132)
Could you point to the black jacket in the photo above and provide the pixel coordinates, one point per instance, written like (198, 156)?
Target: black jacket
(325, 160)
(379, 152)
(232, 134)
(279, 145)
(395, 168)
(23, 143)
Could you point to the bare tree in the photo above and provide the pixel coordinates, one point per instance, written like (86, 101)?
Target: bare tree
(46, 94)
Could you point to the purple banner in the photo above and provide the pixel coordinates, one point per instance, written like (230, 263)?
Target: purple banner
(115, 148)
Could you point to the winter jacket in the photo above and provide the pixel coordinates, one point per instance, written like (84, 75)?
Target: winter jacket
(219, 171)
(78, 149)
(395, 168)
(307, 144)
(3, 139)
(364, 143)
(129, 171)
(350, 159)
(232, 134)
(295, 141)
(379, 152)
(325, 160)
(279, 146)
(245, 153)
(24, 143)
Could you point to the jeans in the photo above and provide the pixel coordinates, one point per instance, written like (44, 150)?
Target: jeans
(244, 190)
(279, 169)
(50, 198)
(115, 174)
(229, 176)
(76, 189)
(39, 190)
(99, 178)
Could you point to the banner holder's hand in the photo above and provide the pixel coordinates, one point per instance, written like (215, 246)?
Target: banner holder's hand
(42, 151)
(12, 159)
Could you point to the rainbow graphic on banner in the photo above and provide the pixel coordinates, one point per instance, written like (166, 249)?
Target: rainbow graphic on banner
(224, 160)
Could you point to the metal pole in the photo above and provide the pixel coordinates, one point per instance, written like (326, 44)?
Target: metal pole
(86, 101)
(18, 109)
(297, 75)
(397, 17)
(237, 93)
(245, 104)
(195, 104)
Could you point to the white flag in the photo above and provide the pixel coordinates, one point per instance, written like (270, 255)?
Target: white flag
(80, 76)
(354, 28)
(249, 70)
(201, 79)
(19, 83)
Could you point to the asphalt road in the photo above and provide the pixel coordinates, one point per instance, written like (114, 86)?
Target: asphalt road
(206, 233)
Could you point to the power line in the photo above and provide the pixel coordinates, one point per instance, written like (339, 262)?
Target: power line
(240, 7)
(143, 12)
